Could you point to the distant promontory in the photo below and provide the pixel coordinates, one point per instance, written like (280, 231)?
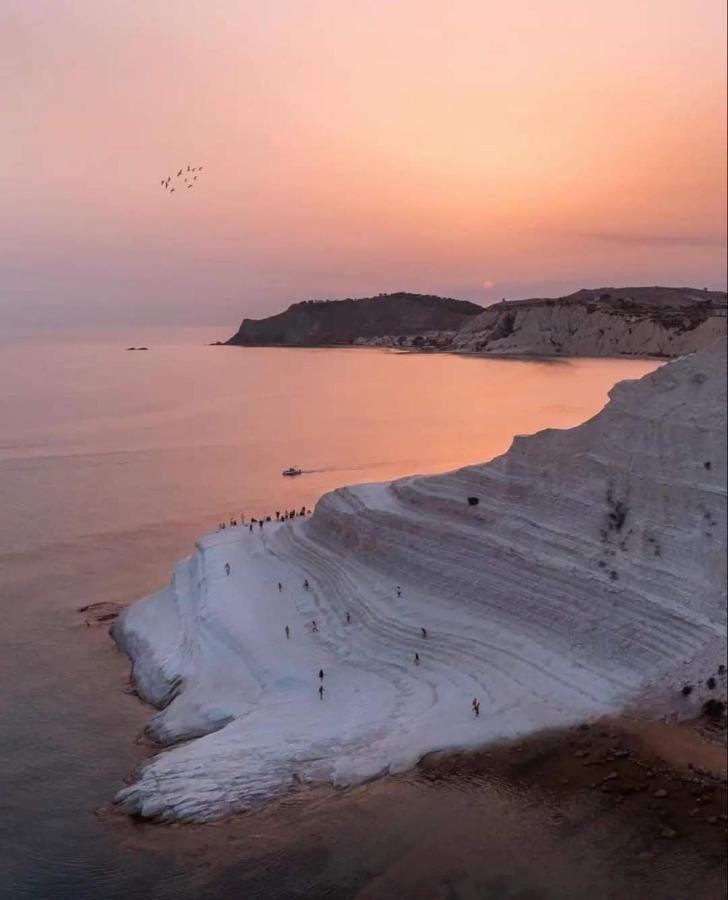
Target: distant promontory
(335, 322)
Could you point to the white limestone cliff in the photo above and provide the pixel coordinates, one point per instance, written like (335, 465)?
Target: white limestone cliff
(570, 577)
(664, 322)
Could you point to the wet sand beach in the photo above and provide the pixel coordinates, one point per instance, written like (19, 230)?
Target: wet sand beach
(566, 814)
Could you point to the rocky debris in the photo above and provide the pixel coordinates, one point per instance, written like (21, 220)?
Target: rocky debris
(98, 613)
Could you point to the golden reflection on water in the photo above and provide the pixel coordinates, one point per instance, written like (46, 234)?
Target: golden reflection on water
(112, 440)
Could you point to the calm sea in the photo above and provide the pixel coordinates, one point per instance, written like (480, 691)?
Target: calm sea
(111, 462)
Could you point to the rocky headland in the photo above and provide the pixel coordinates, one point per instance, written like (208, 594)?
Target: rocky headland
(336, 322)
(582, 573)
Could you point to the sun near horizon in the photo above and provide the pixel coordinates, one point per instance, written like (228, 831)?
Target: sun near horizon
(475, 150)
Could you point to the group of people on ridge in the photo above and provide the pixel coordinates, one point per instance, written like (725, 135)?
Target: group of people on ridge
(279, 517)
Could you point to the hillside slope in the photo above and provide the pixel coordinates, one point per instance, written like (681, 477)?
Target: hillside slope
(604, 322)
(564, 579)
(323, 322)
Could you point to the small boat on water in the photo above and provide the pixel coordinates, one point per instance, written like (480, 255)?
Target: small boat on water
(292, 471)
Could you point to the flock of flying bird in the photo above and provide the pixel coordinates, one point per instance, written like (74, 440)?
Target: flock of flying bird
(190, 177)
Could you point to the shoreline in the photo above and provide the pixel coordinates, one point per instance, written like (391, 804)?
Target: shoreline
(434, 351)
(601, 814)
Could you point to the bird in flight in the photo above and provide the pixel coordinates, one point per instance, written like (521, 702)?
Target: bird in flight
(188, 180)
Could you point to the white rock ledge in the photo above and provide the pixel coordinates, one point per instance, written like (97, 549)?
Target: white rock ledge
(592, 568)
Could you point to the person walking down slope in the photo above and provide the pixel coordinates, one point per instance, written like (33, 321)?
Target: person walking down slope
(321, 692)
(476, 706)
(424, 633)
(227, 568)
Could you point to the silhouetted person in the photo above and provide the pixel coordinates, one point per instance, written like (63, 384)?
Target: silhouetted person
(280, 587)
(476, 706)
(417, 659)
(424, 633)
(305, 584)
(348, 618)
(321, 692)
(314, 626)
(321, 674)
(227, 568)
(399, 591)
(288, 632)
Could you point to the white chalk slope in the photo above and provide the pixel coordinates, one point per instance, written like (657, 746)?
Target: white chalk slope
(606, 322)
(592, 567)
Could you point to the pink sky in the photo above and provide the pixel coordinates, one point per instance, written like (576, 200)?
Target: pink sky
(473, 148)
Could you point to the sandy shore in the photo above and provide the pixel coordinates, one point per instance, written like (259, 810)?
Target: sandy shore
(546, 817)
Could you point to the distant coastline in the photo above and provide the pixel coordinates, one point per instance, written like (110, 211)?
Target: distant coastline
(662, 322)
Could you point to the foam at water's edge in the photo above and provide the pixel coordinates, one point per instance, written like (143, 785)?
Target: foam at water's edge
(590, 569)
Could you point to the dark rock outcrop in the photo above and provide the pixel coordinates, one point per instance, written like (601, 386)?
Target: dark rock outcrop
(331, 322)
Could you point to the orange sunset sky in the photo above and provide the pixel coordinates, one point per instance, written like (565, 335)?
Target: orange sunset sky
(471, 148)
